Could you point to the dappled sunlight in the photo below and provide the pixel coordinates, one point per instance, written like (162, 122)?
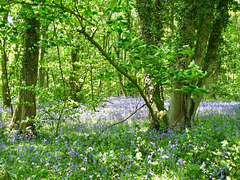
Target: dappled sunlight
(110, 89)
(125, 151)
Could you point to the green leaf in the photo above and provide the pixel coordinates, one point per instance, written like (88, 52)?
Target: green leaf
(2, 10)
(27, 27)
(110, 22)
(192, 64)
(57, 1)
(120, 18)
(113, 4)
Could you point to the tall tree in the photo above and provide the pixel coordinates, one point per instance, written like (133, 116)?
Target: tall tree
(73, 75)
(42, 71)
(202, 22)
(151, 15)
(195, 39)
(25, 111)
(6, 98)
(196, 21)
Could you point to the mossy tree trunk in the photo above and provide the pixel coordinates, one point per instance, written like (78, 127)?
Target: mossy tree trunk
(73, 76)
(210, 61)
(200, 28)
(6, 98)
(177, 114)
(124, 92)
(183, 106)
(25, 111)
(151, 14)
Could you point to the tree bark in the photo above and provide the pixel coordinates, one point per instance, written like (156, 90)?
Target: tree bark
(73, 75)
(6, 97)
(152, 32)
(184, 106)
(42, 70)
(46, 81)
(124, 92)
(25, 111)
(177, 114)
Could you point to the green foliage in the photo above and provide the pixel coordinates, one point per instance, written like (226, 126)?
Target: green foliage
(209, 150)
(206, 151)
(189, 79)
(116, 28)
(226, 85)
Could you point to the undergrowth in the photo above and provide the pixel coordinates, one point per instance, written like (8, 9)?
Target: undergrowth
(209, 150)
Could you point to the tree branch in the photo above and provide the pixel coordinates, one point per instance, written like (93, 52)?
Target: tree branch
(53, 5)
(117, 67)
(122, 120)
(96, 28)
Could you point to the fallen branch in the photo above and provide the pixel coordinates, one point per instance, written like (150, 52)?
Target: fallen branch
(107, 101)
(122, 120)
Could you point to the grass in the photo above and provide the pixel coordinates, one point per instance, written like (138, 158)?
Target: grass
(210, 150)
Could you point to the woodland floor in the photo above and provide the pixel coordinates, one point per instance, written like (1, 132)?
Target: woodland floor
(209, 150)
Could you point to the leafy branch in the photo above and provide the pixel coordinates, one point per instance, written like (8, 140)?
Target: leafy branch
(118, 68)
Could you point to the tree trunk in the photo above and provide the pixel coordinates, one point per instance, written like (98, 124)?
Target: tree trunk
(184, 106)
(42, 69)
(177, 114)
(46, 84)
(6, 97)
(99, 88)
(154, 96)
(73, 75)
(25, 111)
(124, 92)
(152, 34)
(41, 77)
(92, 86)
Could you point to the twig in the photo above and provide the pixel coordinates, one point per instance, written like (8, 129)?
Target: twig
(96, 28)
(107, 101)
(122, 120)
(63, 81)
(138, 102)
(53, 5)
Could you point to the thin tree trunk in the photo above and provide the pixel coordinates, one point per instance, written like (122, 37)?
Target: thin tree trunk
(73, 75)
(6, 97)
(46, 84)
(153, 93)
(53, 78)
(99, 87)
(42, 69)
(121, 85)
